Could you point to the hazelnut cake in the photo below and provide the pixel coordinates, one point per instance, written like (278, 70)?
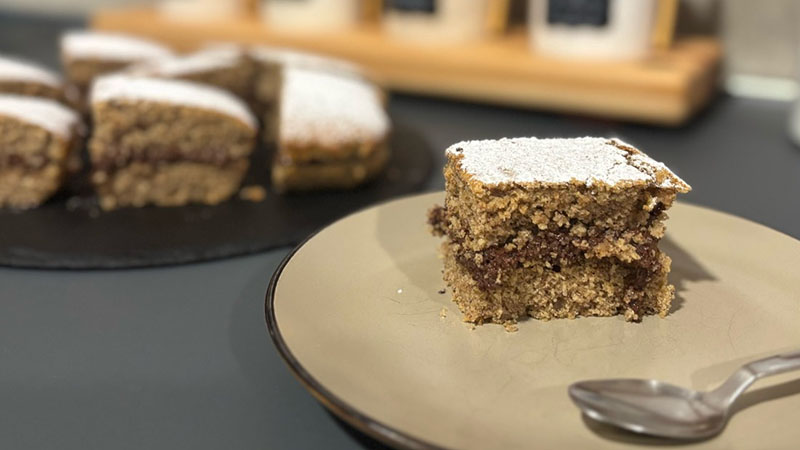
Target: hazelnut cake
(39, 138)
(88, 54)
(555, 228)
(167, 142)
(225, 66)
(332, 132)
(25, 78)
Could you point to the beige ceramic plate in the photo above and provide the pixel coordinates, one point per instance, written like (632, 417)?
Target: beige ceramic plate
(356, 313)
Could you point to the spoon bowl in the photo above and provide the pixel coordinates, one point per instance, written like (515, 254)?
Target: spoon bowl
(649, 407)
(662, 409)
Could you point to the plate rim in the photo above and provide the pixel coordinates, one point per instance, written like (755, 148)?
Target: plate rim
(351, 415)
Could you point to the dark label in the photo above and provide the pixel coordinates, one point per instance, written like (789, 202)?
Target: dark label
(423, 6)
(578, 12)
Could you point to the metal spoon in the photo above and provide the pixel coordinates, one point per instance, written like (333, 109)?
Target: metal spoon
(661, 409)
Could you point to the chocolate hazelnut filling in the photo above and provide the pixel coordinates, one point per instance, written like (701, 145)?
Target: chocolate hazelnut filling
(555, 248)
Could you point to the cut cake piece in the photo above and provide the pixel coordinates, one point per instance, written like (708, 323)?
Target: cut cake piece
(555, 228)
(225, 66)
(26, 78)
(88, 54)
(269, 63)
(332, 132)
(167, 142)
(38, 142)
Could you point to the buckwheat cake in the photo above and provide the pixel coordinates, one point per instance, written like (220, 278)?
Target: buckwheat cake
(167, 142)
(332, 132)
(269, 63)
(88, 54)
(555, 228)
(225, 66)
(38, 139)
(22, 77)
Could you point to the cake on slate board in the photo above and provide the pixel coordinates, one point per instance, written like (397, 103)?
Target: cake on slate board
(38, 143)
(26, 78)
(225, 66)
(88, 54)
(555, 228)
(332, 132)
(269, 64)
(167, 142)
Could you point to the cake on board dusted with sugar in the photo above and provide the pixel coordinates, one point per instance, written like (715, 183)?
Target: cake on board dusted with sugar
(225, 66)
(269, 63)
(167, 142)
(38, 141)
(332, 132)
(555, 228)
(88, 54)
(26, 78)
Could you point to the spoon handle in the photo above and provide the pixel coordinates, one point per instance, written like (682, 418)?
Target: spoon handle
(774, 365)
(725, 395)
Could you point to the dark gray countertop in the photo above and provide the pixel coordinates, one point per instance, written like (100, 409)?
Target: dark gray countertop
(179, 357)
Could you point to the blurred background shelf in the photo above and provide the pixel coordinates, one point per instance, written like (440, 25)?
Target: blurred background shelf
(666, 88)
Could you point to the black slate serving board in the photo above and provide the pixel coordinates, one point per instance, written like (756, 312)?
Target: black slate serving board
(69, 232)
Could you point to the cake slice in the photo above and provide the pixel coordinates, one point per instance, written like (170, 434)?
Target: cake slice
(269, 63)
(555, 228)
(225, 66)
(88, 54)
(167, 142)
(332, 132)
(25, 78)
(38, 140)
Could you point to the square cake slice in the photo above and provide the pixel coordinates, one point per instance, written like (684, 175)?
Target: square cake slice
(332, 132)
(89, 54)
(25, 78)
(167, 142)
(555, 228)
(38, 142)
(225, 66)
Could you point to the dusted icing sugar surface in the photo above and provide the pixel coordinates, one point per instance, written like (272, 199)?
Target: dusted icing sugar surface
(318, 108)
(218, 57)
(12, 69)
(110, 46)
(586, 160)
(304, 60)
(178, 92)
(41, 112)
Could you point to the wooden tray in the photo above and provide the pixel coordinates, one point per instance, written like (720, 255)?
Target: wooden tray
(667, 88)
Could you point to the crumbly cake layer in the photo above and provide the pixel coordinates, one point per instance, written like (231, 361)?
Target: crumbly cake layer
(31, 89)
(555, 228)
(168, 183)
(25, 78)
(225, 67)
(592, 287)
(33, 159)
(345, 174)
(178, 93)
(608, 202)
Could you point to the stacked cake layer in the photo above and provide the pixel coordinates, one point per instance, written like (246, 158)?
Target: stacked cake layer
(555, 228)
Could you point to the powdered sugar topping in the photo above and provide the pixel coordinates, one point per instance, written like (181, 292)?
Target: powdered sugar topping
(214, 58)
(304, 60)
(178, 92)
(586, 160)
(44, 113)
(324, 109)
(110, 46)
(12, 69)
